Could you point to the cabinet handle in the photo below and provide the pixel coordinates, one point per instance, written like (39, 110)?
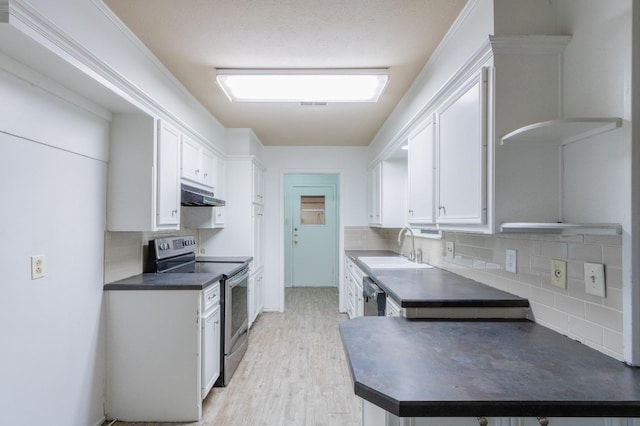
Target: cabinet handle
(206, 174)
(174, 212)
(411, 212)
(543, 421)
(444, 210)
(197, 171)
(482, 421)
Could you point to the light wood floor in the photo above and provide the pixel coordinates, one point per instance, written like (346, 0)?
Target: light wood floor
(294, 372)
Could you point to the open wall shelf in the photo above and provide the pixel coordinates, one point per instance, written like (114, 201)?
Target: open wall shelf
(562, 228)
(561, 131)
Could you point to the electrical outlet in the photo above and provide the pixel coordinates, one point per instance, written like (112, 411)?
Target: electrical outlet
(37, 266)
(559, 273)
(511, 261)
(450, 249)
(594, 279)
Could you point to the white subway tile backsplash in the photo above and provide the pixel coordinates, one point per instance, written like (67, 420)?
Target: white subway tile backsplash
(570, 305)
(614, 298)
(543, 296)
(585, 252)
(612, 340)
(612, 256)
(607, 317)
(550, 317)
(606, 240)
(587, 330)
(613, 277)
(555, 249)
(590, 316)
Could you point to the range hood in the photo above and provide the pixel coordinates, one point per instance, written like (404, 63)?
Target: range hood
(192, 196)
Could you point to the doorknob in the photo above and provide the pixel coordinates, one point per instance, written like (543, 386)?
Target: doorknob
(295, 241)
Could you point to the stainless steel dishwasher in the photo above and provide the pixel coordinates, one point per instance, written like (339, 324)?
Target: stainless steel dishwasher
(375, 299)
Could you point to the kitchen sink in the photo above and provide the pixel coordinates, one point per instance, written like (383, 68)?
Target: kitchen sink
(391, 262)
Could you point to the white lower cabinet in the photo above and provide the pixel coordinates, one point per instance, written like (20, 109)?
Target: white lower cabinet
(393, 308)
(255, 294)
(154, 355)
(353, 277)
(210, 338)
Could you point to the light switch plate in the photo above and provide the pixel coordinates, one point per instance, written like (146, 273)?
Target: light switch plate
(511, 261)
(559, 273)
(594, 282)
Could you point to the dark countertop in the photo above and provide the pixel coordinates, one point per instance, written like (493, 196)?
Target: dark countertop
(208, 273)
(484, 368)
(223, 259)
(434, 287)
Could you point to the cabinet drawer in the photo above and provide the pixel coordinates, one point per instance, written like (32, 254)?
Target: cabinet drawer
(211, 297)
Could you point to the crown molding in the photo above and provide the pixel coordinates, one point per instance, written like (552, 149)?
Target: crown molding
(20, 15)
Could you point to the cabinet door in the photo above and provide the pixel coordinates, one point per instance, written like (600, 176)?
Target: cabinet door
(374, 180)
(461, 155)
(210, 350)
(208, 163)
(257, 235)
(168, 179)
(258, 196)
(421, 174)
(258, 295)
(190, 167)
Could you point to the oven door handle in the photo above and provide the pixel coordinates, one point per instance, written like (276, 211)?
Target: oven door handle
(238, 278)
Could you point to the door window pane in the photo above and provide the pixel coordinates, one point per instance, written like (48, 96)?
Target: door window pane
(312, 209)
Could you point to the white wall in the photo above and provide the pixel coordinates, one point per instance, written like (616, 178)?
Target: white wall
(53, 193)
(349, 162)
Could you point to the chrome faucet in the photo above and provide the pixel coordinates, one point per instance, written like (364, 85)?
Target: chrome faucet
(401, 236)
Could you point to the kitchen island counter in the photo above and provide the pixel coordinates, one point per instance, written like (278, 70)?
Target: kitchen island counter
(435, 287)
(416, 368)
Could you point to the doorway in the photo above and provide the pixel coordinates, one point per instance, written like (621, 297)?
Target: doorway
(311, 205)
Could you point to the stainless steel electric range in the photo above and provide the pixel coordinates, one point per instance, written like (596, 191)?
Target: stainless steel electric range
(177, 255)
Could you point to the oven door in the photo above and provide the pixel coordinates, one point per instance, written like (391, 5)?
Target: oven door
(236, 310)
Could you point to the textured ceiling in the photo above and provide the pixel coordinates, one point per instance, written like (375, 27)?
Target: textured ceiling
(193, 37)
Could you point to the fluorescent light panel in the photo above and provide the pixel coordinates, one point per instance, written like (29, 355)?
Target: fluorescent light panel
(324, 85)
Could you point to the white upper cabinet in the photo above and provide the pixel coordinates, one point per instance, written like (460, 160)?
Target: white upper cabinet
(374, 205)
(461, 154)
(144, 185)
(168, 179)
(491, 152)
(199, 165)
(387, 193)
(257, 184)
(421, 169)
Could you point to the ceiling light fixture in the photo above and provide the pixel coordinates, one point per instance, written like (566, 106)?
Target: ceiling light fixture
(302, 85)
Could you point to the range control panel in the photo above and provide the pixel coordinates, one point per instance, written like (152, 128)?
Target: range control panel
(172, 246)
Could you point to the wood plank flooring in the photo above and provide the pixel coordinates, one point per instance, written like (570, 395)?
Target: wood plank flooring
(294, 373)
